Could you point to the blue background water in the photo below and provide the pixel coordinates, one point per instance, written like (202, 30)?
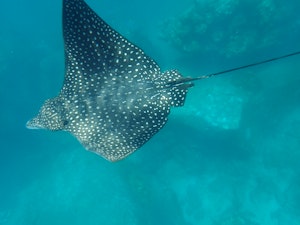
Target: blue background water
(229, 156)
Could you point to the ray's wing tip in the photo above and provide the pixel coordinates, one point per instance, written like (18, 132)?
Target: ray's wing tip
(111, 158)
(115, 157)
(105, 155)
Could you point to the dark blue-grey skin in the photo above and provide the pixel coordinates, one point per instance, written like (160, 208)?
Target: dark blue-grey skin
(114, 97)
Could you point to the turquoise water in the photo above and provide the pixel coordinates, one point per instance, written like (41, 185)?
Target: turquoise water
(230, 156)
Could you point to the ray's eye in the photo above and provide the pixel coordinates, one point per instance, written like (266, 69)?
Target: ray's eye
(65, 122)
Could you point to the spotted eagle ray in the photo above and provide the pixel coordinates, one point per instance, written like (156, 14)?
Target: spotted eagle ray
(114, 97)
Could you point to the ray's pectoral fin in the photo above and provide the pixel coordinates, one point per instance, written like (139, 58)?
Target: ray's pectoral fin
(178, 94)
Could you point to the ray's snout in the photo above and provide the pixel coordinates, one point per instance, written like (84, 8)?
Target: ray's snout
(33, 124)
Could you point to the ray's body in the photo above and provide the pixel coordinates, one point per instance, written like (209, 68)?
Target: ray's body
(114, 97)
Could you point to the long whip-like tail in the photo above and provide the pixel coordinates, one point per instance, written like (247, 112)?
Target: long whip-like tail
(189, 79)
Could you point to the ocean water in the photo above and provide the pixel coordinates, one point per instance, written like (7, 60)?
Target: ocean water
(230, 156)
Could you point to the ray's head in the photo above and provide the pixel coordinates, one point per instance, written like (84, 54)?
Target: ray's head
(50, 117)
